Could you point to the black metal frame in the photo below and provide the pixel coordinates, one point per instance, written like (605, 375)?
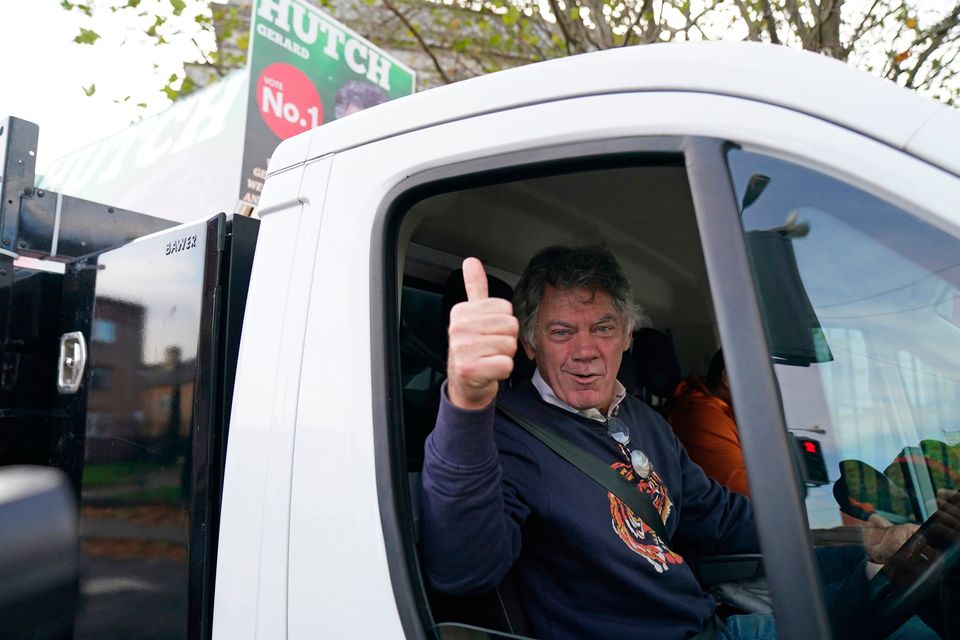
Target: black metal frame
(18, 139)
(780, 514)
(41, 224)
(76, 314)
(237, 245)
(206, 410)
(781, 517)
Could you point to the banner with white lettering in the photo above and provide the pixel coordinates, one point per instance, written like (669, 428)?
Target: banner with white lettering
(307, 69)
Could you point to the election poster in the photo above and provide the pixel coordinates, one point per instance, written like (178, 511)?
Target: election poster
(307, 69)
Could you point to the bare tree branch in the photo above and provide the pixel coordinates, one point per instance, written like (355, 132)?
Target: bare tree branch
(868, 23)
(937, 35)
(420, 40)
(580, 34)
(753, 27)
(694, 23)
(555, 8)
(603, 26)
(793, 11)
(655, 27)
(768, 20)
(644, 8)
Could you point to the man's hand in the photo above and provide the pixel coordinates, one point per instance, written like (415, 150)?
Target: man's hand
(878, 521)
(483, 338)
(881, 543)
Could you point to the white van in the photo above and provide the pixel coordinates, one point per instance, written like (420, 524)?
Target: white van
(781, 205)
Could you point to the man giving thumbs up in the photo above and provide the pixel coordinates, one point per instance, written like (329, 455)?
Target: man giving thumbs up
(495, 499)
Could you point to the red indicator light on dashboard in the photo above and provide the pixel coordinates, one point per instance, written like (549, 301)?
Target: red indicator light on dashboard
(810, 447)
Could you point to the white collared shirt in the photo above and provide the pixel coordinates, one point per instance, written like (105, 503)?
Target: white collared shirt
(619, 393)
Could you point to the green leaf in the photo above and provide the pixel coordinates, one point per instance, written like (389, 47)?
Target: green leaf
(66, 5)
(92, 89)
(133, 4)
(172, 77)
(511, 16)
(87, 36)
(178, 6)
(85, 9)
(142, 105)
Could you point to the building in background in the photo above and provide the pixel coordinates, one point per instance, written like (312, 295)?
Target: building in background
(209, 151)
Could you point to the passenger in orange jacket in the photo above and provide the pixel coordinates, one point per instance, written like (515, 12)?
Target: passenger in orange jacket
(701, 415)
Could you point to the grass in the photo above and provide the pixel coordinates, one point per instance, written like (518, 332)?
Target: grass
(114, 473)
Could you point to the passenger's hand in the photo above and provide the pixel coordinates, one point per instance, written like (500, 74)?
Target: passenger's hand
(483, 338)
(881, 543)
(944, 495)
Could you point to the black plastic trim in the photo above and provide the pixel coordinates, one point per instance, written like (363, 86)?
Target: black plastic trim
(203, 486)
(18, 160)
(236, 262)
(780, 514)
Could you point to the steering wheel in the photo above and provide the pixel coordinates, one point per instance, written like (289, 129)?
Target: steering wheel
(912, 576)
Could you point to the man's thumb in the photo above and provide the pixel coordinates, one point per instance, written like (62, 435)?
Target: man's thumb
(474, 279)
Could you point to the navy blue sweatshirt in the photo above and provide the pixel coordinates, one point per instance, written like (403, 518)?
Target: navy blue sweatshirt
(495, 498)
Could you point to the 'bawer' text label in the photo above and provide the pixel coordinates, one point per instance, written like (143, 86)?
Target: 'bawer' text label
(181, 244)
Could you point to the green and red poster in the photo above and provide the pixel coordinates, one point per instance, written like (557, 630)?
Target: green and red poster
(307, 69)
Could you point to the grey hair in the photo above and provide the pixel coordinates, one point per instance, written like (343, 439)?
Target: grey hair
(561, 267)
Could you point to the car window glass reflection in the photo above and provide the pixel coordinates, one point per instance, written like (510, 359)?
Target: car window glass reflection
(861, 302)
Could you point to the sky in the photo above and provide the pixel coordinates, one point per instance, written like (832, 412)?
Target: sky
(44, 73)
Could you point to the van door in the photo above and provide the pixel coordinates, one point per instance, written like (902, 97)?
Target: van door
(159, 319)
(487, 186)
(645, 173)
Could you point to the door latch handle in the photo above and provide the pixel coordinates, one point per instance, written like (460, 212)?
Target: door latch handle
(73, 360)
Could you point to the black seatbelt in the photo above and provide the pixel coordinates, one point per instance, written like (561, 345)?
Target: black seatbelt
(591, 465)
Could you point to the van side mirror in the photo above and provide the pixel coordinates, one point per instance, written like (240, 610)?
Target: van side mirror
(39, 553)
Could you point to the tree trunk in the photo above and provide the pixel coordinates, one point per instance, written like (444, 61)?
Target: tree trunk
(827, 30)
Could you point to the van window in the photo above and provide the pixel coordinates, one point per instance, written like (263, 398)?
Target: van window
(870, 374)
(639, 206)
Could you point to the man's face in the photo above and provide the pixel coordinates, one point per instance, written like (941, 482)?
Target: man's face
(580, 340)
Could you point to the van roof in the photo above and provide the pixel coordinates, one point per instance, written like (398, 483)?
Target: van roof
(802, 81)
